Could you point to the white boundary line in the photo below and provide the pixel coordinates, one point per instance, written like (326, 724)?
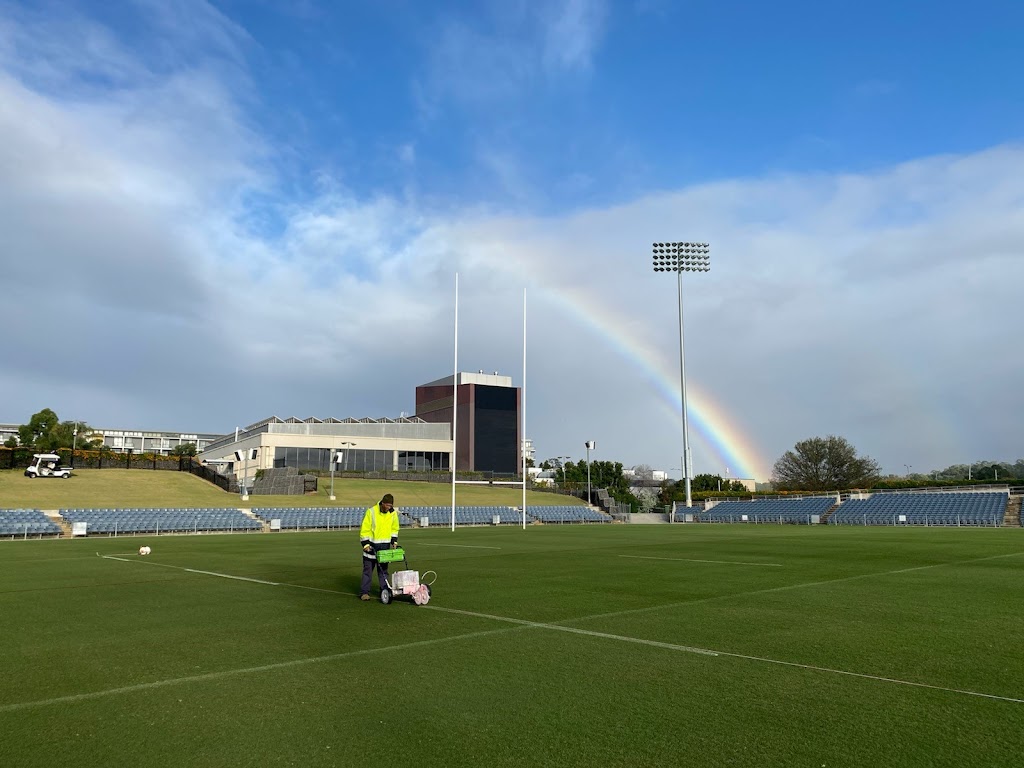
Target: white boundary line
(769, 590)
(691, 560)
(539, 625)
(709, 652)
(462, 546)
(234, 672)
(47, 560)
(575, 630)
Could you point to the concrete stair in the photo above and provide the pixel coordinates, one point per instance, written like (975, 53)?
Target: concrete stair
(648, 518)
(65, 526)
(1012, 517)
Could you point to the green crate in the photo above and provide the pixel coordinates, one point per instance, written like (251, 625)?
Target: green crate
(390, 555)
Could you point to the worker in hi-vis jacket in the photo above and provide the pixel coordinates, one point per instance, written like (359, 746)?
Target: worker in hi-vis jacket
(378, 531)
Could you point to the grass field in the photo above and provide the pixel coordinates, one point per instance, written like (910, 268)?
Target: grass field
(611, 645)
(147, 488)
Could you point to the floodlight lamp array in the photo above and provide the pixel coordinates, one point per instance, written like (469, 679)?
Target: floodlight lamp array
(681, 257)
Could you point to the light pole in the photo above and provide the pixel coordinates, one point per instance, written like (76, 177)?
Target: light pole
(908, 469)
(246, 455)
(74, 444)
(334, 460)
(679, 258)
(590, 444)
(563, 459)
(344, 459)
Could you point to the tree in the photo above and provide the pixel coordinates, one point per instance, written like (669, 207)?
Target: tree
(646, 499)
(707, 483)
(185, 449)
(45, 432)
(704, 483)
(36, 434)
(824, 464)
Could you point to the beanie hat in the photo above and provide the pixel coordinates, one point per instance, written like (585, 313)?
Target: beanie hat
(388, 499)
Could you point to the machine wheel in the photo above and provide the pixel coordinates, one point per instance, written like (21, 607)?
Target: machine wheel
(385, 595)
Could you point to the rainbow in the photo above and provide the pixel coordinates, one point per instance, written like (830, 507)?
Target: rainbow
(714, 427)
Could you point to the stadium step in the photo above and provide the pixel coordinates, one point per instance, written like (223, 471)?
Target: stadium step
(648, 517)
(1012, 517)
(828, 513)
(264, 524)
(65, 526)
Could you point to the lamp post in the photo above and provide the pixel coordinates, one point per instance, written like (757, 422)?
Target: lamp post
(334, 460)
(245, 474)
(679, 258)
(344, 459)
(74, 444)
(908, 469)
(590, 444)
(563, 459)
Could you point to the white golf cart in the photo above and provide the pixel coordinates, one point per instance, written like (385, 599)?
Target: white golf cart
(46, 465)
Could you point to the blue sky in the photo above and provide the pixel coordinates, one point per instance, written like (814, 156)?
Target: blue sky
(320, 171)
(596, 102)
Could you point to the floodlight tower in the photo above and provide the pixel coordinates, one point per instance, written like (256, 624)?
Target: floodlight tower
(590, 445)
(679, 258)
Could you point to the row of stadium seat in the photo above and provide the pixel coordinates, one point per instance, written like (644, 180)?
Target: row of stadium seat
(794, 511)
(948, 508)
(141, 520)
(27, 522)
(963, 508)
(161, 520)
(351, 517)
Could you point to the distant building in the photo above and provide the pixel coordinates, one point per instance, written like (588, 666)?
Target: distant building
(542, 477)
(148, 441)
(362, 445)
(489, 438)
(122, 440)
(529, 453)
(486, 419)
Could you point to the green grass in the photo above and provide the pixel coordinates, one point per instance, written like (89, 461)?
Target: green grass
(115, 488)
(556, 645)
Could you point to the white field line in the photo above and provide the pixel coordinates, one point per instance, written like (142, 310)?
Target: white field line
(120, 554)
(193, 570)
(710, 652)
(769, 590)
(228, 576)
(878, 678)
(463, 546)
(690, 560)
(51, 559)
(557, 627)
(575, 630)
(242, 671)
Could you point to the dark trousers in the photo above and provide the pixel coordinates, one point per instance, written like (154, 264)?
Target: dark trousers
(382, 572)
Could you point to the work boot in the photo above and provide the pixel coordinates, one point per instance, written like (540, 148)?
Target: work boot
(364, 596)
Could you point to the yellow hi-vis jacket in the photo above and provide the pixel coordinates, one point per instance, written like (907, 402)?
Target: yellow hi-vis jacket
(379, 528)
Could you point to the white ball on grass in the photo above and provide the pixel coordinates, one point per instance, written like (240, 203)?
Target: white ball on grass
(144, 550)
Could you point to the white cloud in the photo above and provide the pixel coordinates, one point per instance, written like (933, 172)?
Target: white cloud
(495, 62)
(572, 31)
(875, 306)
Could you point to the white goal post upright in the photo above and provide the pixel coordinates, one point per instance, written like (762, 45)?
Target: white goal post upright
(522, 408)
(455, 402)
(455, 412)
